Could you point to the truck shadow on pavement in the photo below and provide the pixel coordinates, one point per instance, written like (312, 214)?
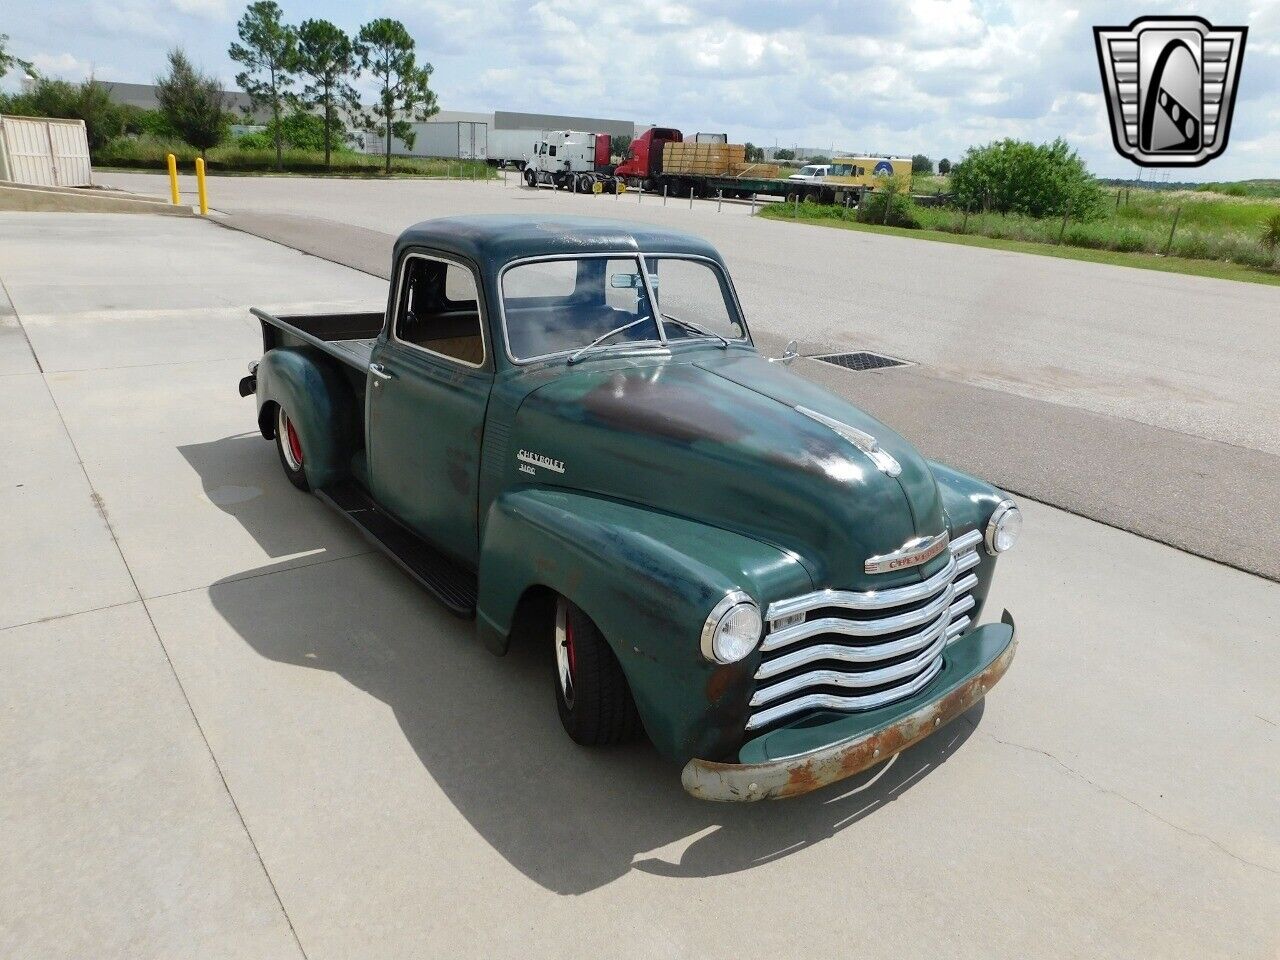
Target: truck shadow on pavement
(485, 728)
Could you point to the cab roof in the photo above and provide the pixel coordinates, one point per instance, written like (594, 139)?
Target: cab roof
(494, 240)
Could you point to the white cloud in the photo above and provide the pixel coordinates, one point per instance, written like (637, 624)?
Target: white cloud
(929, 76)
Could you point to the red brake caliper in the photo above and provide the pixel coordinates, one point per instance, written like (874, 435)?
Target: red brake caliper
(568, 646)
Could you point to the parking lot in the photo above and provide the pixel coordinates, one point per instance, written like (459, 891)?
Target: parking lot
(232, 730)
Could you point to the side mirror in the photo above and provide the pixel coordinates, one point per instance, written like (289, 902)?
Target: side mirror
(789, 354)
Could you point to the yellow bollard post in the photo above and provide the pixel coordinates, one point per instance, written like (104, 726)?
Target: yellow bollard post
(204, 196)
(173, 178)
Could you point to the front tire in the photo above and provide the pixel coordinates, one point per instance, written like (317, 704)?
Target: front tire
(594, 701)
(530, 178)
(289, 446)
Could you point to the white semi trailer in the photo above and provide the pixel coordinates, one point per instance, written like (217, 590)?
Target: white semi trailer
(513, 148)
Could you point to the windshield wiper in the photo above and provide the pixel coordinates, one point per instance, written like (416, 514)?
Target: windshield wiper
(724, 344)
(573, 358)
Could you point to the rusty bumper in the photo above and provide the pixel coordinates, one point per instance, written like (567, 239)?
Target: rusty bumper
(975, 663)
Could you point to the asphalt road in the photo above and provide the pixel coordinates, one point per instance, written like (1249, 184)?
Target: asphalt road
(231, 731)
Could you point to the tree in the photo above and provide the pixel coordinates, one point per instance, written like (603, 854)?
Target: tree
(8, 61)
(327, 57)
(1014, 176)
(921, 164)
(1271, 234)
(193, 104)
(754, 154)
(818, 158)
(944, 166)
(404, 93)
(620, 145)
(268, 50)
(784, 154)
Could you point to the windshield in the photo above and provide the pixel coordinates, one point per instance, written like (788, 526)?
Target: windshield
(694, 299)
(808, 171)
(554, 306)
(560, 306)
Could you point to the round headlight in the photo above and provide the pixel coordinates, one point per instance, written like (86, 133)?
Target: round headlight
(1003, 527)
(732, 630)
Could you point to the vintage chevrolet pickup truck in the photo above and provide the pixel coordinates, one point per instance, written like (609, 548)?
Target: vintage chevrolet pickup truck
(562, 428)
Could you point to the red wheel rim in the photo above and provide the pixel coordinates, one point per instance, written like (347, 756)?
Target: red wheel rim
(295, 445)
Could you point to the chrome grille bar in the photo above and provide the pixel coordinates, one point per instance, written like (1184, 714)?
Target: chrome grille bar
(880, 599)
(859, 680)
(942, 606)
(868, 701)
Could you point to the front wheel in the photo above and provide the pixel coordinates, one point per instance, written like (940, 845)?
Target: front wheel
(592, 695)
(530, 178)
(289, 446)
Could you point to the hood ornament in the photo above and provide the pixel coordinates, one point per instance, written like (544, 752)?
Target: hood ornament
(864, 441)
(910, 554)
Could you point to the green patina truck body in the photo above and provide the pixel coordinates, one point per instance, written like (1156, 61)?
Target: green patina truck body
(562, 428)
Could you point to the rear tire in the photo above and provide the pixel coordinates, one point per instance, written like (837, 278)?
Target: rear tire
(594, 701)
(289, 447)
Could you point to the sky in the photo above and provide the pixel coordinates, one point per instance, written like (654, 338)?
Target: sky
(905, 77)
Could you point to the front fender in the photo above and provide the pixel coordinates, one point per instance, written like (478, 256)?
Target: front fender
(969, 503)
(319, 401)
(648, 580)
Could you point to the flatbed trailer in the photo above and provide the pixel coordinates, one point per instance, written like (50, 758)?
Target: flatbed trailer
(644, 170)
(680, 185)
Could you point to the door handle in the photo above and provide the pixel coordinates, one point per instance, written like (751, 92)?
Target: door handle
(381, 372)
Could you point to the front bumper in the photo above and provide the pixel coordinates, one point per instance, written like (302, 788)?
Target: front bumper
(794, 760)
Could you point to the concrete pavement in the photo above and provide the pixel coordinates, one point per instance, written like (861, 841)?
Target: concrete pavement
(235, 732)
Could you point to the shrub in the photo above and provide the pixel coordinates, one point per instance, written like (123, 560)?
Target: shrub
(1014, 176)
(299, 130)
(902, 212)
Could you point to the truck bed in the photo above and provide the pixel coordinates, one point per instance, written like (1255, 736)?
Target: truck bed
(348, 337)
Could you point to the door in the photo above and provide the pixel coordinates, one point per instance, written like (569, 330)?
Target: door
(429, 380)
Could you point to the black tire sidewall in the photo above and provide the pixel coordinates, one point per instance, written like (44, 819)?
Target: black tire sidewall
(603, 710)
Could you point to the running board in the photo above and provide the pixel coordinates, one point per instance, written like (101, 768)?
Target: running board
(453, 585)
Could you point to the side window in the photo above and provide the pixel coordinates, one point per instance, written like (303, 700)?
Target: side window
(553, 151)
(439, 309)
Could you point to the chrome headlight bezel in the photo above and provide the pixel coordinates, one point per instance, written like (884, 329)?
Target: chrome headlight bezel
(734, 605)
(1006, 511)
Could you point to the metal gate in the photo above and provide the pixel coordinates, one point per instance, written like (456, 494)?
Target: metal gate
(44, 152)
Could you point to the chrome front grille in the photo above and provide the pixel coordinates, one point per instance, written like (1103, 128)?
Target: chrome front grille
(849, 650)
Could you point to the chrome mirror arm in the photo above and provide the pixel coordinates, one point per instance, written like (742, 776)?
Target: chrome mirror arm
(789, 354)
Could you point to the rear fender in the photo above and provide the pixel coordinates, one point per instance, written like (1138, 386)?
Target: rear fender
(321, 404)
(648, 580)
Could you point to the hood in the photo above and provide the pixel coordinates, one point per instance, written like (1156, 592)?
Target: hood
(717, 437)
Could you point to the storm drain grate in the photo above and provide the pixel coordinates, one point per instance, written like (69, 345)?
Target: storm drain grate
(861, 361)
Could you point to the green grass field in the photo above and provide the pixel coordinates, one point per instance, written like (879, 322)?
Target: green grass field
(148, 154)
(1216, 234)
